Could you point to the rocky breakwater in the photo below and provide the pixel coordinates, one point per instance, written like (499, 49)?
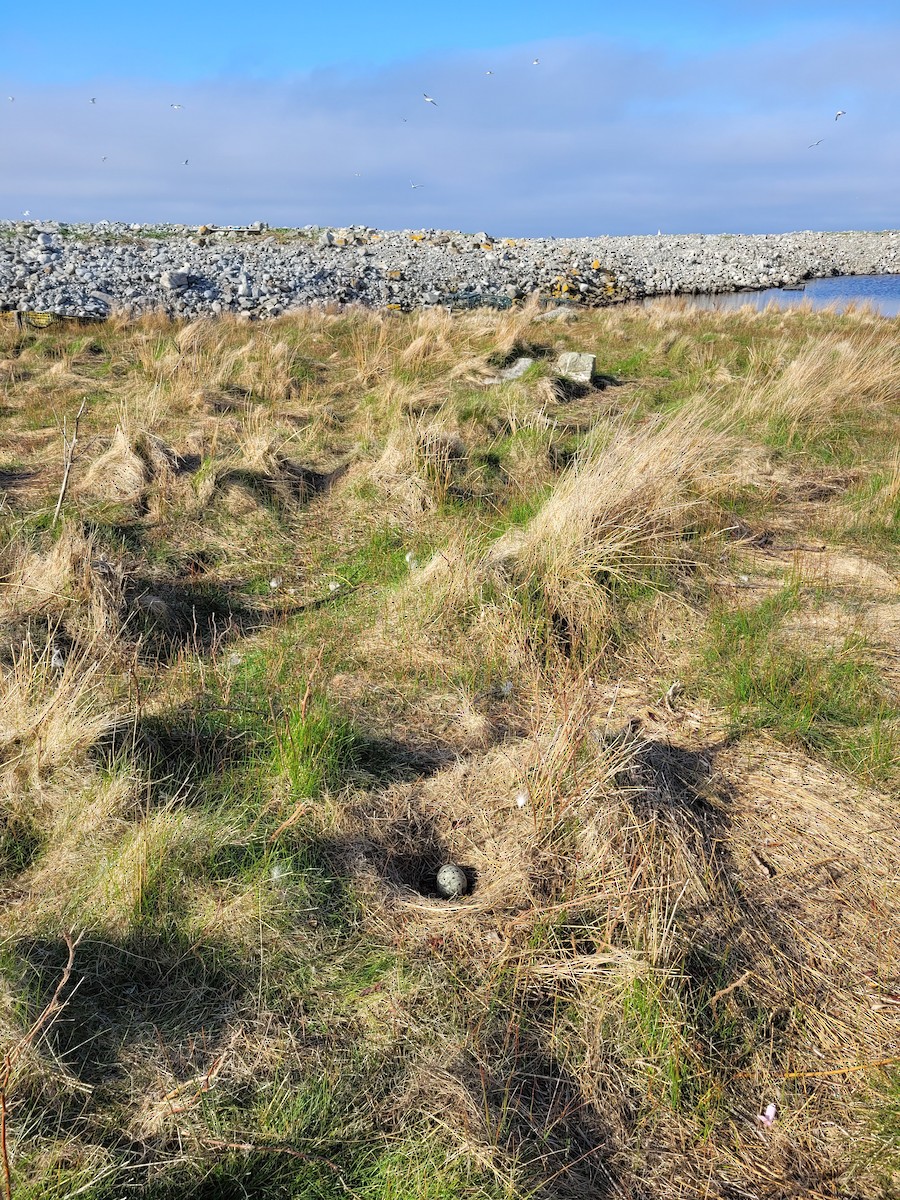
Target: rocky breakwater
(93, 270)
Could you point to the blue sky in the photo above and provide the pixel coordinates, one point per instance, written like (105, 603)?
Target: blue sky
(688, 117)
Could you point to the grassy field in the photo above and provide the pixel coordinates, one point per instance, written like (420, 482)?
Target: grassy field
(328, 604)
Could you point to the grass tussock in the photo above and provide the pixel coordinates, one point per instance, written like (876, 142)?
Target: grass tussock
(329, 604)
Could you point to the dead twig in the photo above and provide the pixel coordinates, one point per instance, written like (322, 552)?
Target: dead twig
(723, 992)
(44, 1019)
(68, 457)
(869, 1066)
(257, 1148)
(201, 1085)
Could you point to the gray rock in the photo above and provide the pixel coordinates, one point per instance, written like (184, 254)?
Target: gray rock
(517, 369)
(576, 366)
(175, 281)
(560, 313)
(96, 268)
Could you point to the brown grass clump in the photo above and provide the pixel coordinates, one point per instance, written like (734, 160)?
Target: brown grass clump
(616, 517)
(422, 463)
(50, 717)
(836, 376)
(118, 474)
(73, 581)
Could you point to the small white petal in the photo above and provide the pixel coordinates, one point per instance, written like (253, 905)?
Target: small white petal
(768, 1117)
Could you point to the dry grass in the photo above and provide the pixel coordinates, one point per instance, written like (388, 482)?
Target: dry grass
(328, 606)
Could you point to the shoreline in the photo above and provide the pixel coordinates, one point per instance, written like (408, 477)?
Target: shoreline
(96, 270)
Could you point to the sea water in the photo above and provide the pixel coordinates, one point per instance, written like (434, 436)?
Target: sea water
(878, 292)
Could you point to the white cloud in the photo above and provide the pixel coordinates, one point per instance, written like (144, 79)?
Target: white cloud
(601, 138)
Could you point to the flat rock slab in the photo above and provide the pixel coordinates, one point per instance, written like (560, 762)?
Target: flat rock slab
(517, 369)
(575, 366)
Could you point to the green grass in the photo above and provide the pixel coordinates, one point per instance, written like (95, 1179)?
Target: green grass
(315, 747)
(651, 1021)
(235, 843)
(832, 702)
(885, 1117)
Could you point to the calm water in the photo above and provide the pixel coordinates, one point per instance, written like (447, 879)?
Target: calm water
(880, 292)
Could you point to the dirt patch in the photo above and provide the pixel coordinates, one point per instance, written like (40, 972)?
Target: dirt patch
(824, 566)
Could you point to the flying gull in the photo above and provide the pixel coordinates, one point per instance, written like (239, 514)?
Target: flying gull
(535, 62)
(415, 185)
(176, 106)
(841, 112)
(428, 99)
(818, 143)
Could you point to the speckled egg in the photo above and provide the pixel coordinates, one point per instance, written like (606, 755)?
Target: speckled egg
(451, 881)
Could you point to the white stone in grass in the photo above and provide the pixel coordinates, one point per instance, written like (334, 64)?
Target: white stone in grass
(452, 882)
(576, 366)
(275, 582)
(334, 586)
(516, 370)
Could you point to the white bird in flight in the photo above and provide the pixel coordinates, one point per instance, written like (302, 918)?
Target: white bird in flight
(176, 106)
(10, 98)
(428, 99)
(818, 143)
(185, 163)
(415, 185)
(535, 62)
(489, 72)
(93, 99)
(841, 112)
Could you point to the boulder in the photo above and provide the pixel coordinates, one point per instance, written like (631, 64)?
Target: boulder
(517, 369)
(175, 281)
(578, 367)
